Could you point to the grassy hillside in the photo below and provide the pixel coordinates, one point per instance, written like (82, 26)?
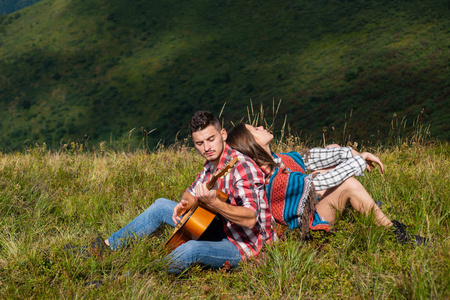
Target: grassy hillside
(9, 6)
(78, 70)
(52, 198)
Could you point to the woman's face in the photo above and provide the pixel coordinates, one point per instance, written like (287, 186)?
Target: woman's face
(261, 136)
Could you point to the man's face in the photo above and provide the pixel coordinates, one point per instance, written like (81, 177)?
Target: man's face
(210, 143)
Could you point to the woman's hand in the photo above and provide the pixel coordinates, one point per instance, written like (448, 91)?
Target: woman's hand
(370, 159)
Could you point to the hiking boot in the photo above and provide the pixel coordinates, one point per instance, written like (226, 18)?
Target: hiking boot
(96, 248)
(404, 237)
(420, 240)
(94, 284)
(400, 232)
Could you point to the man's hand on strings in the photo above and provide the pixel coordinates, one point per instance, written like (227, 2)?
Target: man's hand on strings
(179, 210)
(205, 195)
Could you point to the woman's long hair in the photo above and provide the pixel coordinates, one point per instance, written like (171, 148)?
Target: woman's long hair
(242, 140)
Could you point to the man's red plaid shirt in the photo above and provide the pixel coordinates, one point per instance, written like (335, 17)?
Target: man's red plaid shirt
(244, 185)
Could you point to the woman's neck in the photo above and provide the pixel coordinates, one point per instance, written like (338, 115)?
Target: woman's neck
(267, 149)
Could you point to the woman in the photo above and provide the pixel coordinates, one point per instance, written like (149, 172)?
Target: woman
(294, 195)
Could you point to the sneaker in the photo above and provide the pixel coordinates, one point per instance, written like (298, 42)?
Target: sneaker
(404, 237)
(96, 248)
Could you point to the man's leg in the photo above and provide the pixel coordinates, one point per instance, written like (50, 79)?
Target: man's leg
(145, 224)
(207, 253)
(350, 190)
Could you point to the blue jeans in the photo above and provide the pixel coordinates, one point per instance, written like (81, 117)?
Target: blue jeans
(208, 253)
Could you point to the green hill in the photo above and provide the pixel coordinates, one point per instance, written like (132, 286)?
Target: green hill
(9, 6)
(76, 70)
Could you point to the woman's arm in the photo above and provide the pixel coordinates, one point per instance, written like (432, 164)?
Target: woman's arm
(354, 166)
(322, 158)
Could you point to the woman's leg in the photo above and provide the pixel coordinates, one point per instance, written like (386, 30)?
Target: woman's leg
(350, 190)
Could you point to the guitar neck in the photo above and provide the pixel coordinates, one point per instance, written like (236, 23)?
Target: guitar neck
(210, 184)
(221, 195)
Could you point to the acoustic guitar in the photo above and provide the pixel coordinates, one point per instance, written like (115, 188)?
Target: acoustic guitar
(198, 218)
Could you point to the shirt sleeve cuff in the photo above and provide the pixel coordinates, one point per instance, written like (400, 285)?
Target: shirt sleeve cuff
(348, 153)
(362, 165)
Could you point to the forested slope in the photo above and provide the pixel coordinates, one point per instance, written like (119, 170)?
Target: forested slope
(77, 70)
(9, 6)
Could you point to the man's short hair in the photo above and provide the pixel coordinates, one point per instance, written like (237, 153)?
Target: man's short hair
(202, 119)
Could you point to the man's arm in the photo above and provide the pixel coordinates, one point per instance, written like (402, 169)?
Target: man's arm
(187, 199)
(238, 215)
(186, 202)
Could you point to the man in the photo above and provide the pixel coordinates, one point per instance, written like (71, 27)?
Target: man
(245, 216)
